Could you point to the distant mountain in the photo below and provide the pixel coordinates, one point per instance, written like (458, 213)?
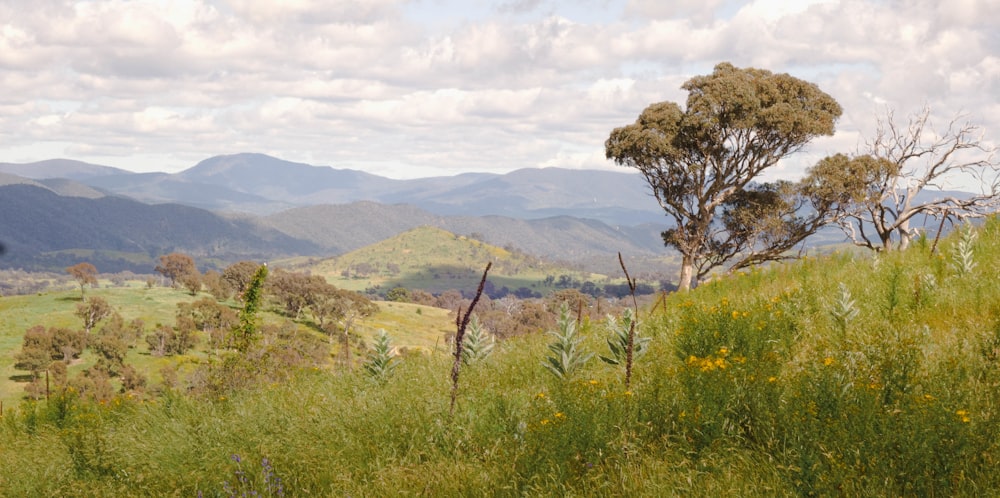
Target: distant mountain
(59, 168)
(261, 184)
(347, 227)
(42, 229)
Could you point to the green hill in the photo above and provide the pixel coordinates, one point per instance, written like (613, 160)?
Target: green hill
(435, 260)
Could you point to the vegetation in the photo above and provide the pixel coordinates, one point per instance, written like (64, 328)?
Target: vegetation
(849, 375)
(737, 124)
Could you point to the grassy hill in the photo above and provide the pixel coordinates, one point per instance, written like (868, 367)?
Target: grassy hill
(843, 375)
(435, 260)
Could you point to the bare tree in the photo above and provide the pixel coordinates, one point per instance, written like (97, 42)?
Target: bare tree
(901, 165)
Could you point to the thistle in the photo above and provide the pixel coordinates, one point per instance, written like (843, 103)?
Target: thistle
(568, 356)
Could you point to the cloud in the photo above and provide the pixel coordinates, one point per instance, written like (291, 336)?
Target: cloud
(446, 86)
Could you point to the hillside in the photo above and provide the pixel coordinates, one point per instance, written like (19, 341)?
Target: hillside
(852, 374)
(435, 260)
(41, 229)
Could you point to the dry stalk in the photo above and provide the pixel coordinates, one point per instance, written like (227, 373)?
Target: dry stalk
(462, 321)
(631, 329)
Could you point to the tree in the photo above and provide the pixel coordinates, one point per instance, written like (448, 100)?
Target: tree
(92, 311)
(85, 274)
(175, 266)
(238, 276)
(880, 189)
(737, 124)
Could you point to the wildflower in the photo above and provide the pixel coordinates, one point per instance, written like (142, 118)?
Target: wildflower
(628, 394)
(560, 415)
(772, 379)
(723, 351)
(593, 382)
(540, 395)
(545, 421)
(736, 314)
(963, 416)
(828, 361)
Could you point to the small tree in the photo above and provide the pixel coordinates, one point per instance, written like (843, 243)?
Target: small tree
(737, 124)
(92, 311)
(246, 332)
(85, 274)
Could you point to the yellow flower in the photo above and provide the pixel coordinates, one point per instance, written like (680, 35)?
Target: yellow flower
(593, 382)
(828, 361)
(540, 395)
(628, 394)
(545, 421)
(736, 314)
(560, 415)
(772, 379)
(963, 416)
(723, 351)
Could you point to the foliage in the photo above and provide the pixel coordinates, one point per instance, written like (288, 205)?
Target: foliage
(962, 259)
(92, 311)
(568, 356)
(880, 190)
(737, 124)
(178, 267)
(381, 360)
(618, 340)
(246, 332)
(84, 273)
(478, 343)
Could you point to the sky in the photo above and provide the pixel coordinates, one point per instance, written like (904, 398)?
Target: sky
(416, 88)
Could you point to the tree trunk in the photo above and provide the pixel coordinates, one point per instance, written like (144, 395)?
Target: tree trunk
(687, 274)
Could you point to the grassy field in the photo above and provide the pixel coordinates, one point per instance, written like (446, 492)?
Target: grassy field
(840, 375)
(158, 305)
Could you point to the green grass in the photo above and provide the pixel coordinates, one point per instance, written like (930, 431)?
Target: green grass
(749, 388)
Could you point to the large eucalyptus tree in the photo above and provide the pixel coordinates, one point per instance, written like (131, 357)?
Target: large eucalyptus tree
(736, 124)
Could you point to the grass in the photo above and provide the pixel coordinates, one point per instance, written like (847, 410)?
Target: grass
(750, 387)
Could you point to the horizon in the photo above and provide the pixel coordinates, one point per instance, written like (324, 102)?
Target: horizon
(425, 88)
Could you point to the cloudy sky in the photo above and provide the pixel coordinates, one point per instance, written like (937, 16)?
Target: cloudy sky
(410, 88)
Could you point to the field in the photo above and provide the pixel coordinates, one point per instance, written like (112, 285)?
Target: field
(848, 374)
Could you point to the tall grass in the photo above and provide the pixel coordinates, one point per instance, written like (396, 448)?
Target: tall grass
(753, 384)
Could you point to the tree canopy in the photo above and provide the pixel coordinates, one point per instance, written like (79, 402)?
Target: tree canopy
(736, 124)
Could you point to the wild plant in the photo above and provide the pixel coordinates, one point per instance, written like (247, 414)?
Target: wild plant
(843, 310)
(618, 340)
(478, 343)
(381, 360)
(568, 355)
(267, 484)
(962, 258)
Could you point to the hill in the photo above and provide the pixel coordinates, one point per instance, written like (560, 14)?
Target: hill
(432, 259)
(41, 229)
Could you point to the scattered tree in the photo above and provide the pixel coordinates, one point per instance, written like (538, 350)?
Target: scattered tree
(92, 311)
(85, 274)
(176, 266)
(736, 125)
(238, 276)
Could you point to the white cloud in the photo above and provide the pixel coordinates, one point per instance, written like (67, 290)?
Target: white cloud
(446, 86)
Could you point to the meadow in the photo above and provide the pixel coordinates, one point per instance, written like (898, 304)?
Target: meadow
(849, 374)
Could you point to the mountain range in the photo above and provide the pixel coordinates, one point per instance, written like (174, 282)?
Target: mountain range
(243, 206)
